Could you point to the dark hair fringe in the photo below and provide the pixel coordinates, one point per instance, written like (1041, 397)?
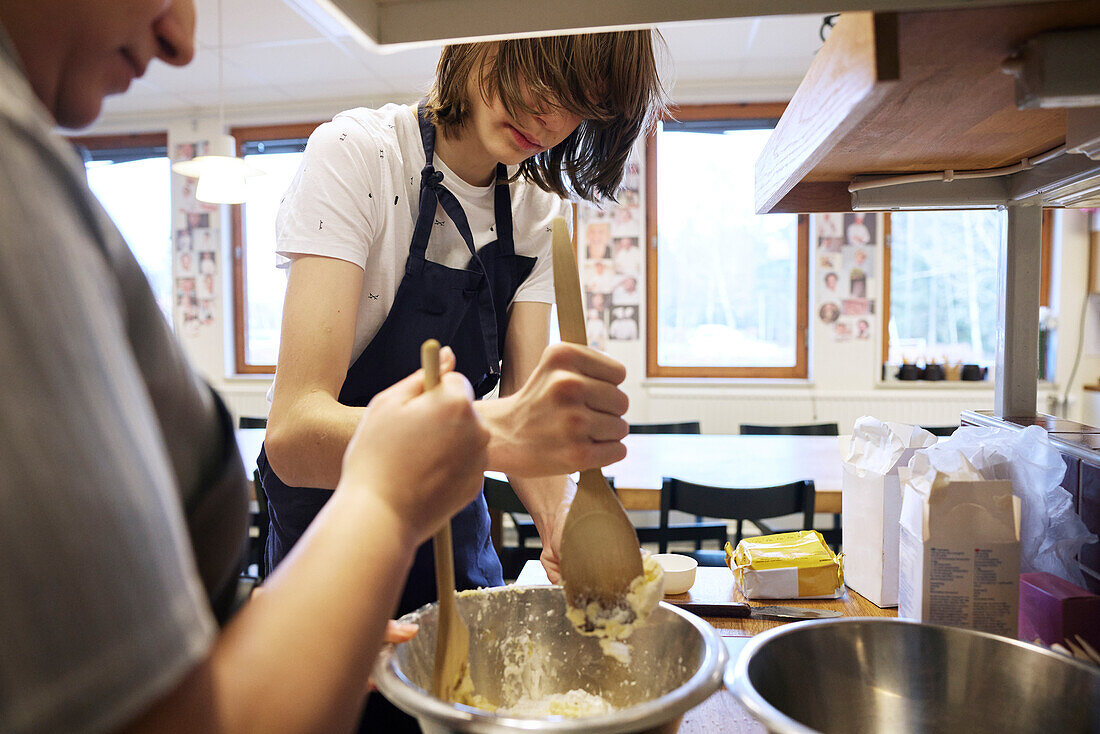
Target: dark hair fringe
(610, 80)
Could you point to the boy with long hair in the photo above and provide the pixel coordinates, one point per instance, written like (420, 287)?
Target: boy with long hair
(409, 222)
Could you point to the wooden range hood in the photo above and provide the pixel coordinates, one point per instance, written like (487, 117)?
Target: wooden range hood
(901, 93)
(925, 95)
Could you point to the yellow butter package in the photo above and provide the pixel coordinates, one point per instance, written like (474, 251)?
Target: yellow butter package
(787, 566)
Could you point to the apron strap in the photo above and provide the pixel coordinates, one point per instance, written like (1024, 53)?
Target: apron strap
(502, 209)
(432, 191)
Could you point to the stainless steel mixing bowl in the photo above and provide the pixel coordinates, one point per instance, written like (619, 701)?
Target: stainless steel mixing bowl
(677, 661)
(894, 676)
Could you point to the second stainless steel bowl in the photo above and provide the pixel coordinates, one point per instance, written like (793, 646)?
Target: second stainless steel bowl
(889, 676)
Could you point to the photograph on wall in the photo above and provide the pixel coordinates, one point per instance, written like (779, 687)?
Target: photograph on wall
(184, 241)
(626, 221)
(627, 256)
(186, 267)
(599, 276)
(197, 220)
(597, 241)
(597, 302)
(627, 292)
(204, 240)
(207, 286)
(859, 228)
(860, 257)
(830, 226)
(829, 312)
(834, 285)
(624, 323)
(596, 327)
(857, 283)
(189, 150)
(632, 176)
(857, 307)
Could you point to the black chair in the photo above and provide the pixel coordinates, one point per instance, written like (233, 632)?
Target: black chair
(500, 497)
(740, 504)
(832, 535)
(688, 427)
(810, 429)
(246, 421)
(940, 430)
(259, 522)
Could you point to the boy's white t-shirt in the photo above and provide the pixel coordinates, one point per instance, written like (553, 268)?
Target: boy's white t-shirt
(356, 197)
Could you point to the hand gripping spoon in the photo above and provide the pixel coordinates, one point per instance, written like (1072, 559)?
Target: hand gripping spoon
(600, 556)
(452, 641)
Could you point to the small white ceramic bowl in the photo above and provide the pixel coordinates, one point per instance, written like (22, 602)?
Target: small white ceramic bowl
(679, 571)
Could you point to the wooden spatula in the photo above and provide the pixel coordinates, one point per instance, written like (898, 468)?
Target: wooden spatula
(452, 640)
(600, 555)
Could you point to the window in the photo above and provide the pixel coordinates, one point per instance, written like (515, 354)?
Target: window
(727, 290)
(131, 177)
(942, 283)
(258, 286)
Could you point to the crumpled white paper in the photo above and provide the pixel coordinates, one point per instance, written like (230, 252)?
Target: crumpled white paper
(876, 446)
(1051, 533)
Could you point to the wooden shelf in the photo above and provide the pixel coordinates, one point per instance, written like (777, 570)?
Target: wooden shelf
(910, 92)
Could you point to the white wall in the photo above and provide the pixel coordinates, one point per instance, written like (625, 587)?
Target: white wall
(843, 384)
(1070, 286)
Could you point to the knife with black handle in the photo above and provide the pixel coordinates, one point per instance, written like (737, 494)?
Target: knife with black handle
(742, 610)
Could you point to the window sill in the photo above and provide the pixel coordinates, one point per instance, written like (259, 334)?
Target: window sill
(948, 385)
(934, 385)
(725, 382)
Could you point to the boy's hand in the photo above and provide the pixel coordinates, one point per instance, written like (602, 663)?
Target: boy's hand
(422, 453)
(566, 417)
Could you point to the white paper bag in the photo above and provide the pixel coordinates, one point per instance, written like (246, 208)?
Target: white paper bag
(871, 505)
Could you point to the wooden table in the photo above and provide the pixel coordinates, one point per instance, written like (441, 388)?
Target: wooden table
(721, 713)
(726, 460)
(740, 461)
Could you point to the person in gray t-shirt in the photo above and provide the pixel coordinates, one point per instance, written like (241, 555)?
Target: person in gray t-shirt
(121, 486)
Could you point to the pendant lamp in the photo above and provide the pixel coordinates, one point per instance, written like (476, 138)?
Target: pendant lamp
(220, 172)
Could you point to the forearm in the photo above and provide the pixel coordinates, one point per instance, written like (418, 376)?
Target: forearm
(542, 497)
(305, 441)
(297, 657)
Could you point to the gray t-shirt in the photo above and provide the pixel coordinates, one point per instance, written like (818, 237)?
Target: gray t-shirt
(110, 447)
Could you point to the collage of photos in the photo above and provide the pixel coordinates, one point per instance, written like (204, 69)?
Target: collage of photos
(847, 246)
(195, 252)
(613, 266)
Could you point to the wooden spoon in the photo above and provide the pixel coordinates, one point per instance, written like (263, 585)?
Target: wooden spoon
(600, 555)
(452, 640)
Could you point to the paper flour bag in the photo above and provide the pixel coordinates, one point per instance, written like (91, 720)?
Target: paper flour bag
(871, 503)
(959, 559)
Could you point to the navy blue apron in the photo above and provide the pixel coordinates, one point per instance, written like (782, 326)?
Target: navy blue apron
(466, 309)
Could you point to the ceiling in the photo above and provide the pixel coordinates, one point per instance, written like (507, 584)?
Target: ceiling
(285, 60)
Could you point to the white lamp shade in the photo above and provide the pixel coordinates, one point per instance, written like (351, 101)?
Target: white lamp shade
(222, 182)
(221, 174)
